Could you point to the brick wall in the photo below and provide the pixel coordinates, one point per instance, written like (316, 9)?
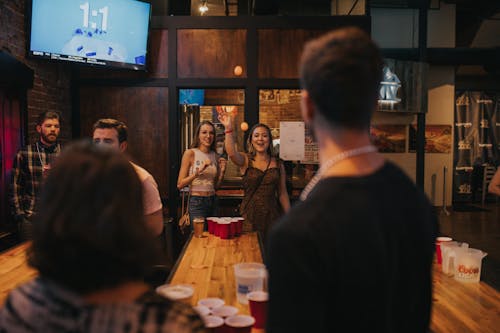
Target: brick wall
(52, 81)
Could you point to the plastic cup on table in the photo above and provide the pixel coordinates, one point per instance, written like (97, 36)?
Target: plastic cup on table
(198, 226)
(224, 229)
(176, 292)
(257, 300)
(214, 324)
(211, 302)
(240, 323)
(249, 276)
(233, 229)
(217, 227)
(202, 310)
(440, 240)
(225, 311)
(239, 225)
(211, 225)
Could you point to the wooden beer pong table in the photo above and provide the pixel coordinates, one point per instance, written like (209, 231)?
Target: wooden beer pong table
(206, 263)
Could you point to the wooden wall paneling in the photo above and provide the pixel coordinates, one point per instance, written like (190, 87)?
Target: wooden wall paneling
(224, 96)
(211, 53)
(280, 50)
(145, 112)
(157, 62)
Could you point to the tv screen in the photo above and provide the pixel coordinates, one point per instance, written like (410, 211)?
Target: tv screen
(95, 32)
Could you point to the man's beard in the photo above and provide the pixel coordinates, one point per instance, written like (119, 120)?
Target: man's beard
(49, 138)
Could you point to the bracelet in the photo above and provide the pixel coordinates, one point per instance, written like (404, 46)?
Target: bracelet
(228, 132)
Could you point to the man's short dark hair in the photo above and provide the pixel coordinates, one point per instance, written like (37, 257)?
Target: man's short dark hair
(341, 72)
(90, 232)
(47, 115)
(119, 126)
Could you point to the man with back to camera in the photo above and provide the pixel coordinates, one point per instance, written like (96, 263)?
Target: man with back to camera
(355, 254)
(31, 165)
(113, 133)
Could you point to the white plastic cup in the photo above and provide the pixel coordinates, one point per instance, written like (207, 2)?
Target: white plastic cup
(225, 311)
(250, 276)
(240, 323)
(202, 310)
(176, 292)
(468, 264)
(214, 324)
(211, 302)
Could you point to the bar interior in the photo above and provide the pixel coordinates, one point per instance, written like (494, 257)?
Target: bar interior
(188, 81)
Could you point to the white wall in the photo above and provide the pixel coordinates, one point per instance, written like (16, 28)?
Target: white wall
(398, 28)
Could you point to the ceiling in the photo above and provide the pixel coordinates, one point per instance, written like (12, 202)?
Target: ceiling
(472, 16)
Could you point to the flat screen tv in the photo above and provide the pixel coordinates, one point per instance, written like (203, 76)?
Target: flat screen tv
(110, 33)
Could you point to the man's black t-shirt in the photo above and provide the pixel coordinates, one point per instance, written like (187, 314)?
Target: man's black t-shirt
(356, 256)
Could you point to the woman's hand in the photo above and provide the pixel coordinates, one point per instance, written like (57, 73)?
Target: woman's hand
(226, 120)
(222, 165)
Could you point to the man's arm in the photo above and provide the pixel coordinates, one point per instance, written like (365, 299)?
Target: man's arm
(154, 222)
(18, 186)
(153, 213)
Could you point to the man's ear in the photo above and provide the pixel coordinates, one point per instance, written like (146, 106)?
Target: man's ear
(123, 146)
(307, 107)
(39, 129)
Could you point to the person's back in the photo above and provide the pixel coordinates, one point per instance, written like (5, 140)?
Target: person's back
(362, 248)
(356, 253)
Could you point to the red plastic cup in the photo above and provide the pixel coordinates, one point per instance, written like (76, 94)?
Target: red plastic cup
(258, 307)
(224, 228)
(211, 225)
(239, 226)
(216, 227)
(440, 240)
(240, 323)
(214, 324)
(233, 228)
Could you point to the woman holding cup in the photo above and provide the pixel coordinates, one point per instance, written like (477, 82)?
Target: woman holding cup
(266, 197)
(202, 170)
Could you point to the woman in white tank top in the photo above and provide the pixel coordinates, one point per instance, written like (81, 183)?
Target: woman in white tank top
(202, 170)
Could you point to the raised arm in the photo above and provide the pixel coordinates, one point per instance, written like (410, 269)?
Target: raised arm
(230, 144)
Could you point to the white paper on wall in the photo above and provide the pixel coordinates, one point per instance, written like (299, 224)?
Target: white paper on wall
(292, 139)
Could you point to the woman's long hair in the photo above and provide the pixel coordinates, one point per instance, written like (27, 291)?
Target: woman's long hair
(196, 138)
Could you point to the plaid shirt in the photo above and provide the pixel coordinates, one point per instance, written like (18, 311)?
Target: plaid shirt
(27, 174)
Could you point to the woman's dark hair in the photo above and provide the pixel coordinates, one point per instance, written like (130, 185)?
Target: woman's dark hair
(196, 138)
(90, 232)
(250, 148)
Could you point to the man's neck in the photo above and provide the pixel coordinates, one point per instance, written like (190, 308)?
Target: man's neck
(46, 144)
(332, 143)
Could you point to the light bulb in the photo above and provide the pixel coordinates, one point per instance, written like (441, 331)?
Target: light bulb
(203, 7)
